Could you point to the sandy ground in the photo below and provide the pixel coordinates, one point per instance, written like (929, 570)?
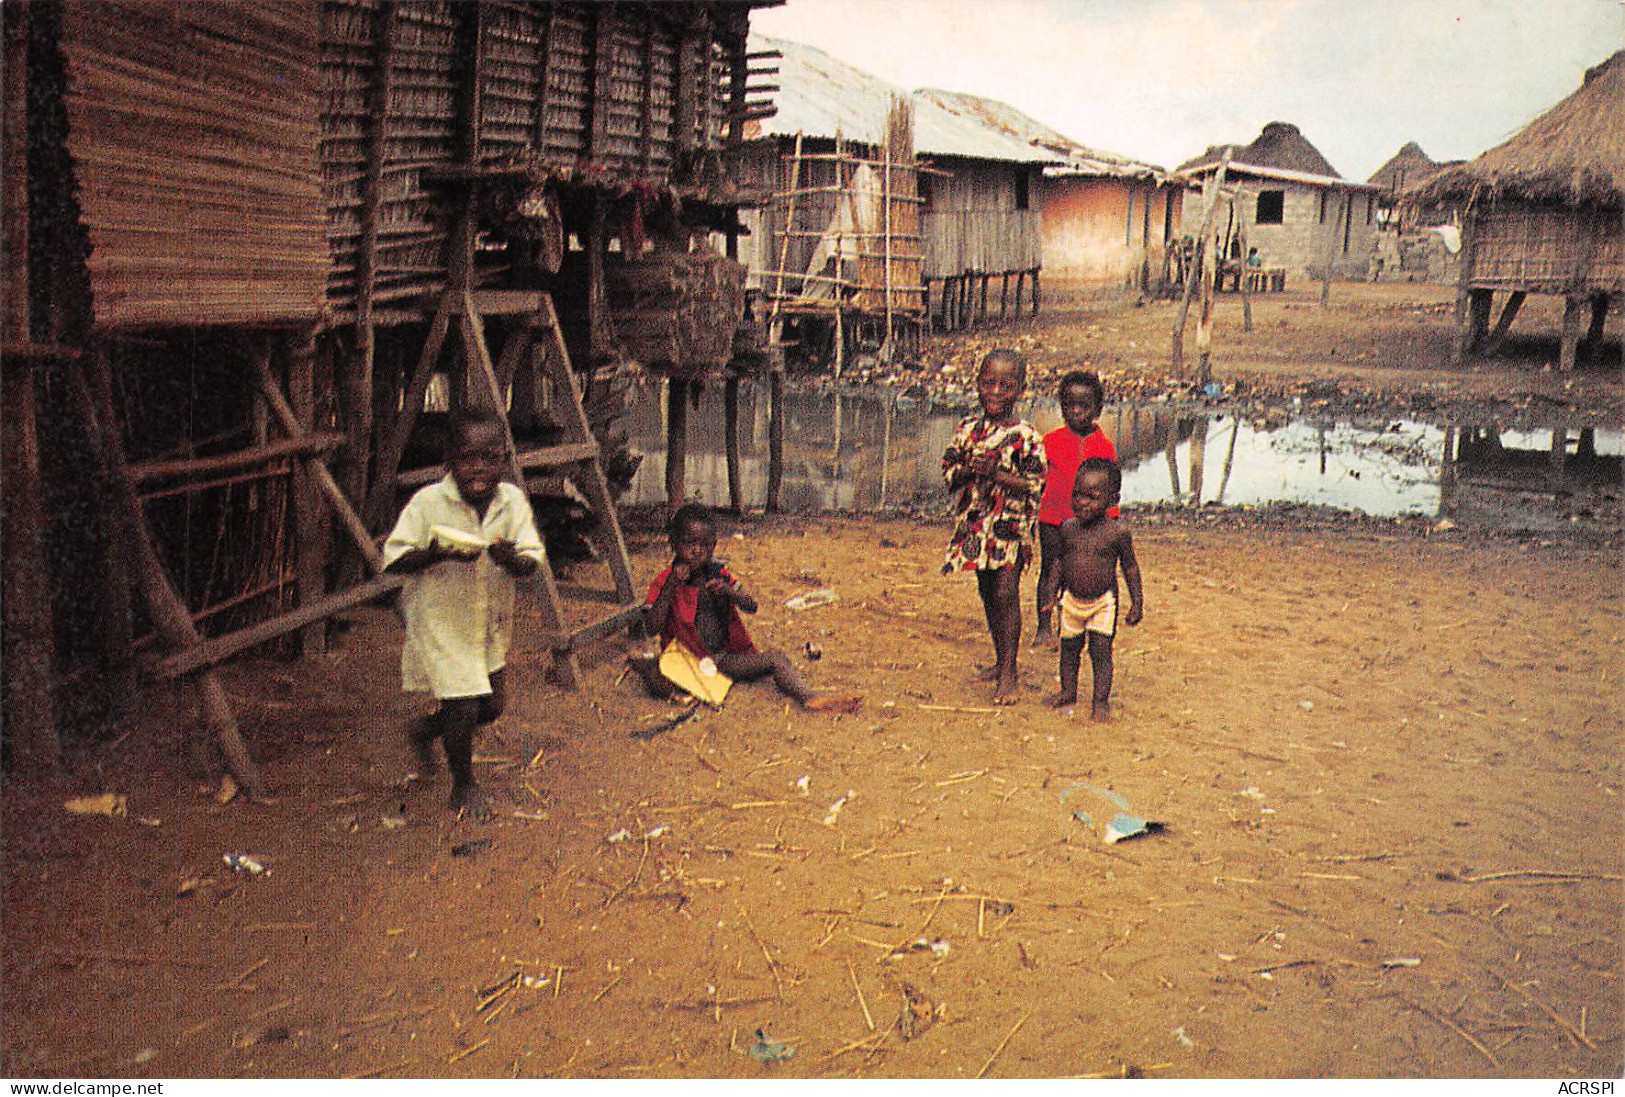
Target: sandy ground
(1389, 769)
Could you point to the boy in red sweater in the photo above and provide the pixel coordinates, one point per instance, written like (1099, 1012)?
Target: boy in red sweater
(1082, 397)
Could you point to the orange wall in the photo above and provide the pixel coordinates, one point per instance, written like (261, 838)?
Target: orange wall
(1089, 236)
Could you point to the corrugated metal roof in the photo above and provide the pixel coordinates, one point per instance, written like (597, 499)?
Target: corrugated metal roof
(1076, 159)
(821, 96)
(1195, 172)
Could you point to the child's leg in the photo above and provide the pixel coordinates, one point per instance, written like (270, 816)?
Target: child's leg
(1001, 599)
(1071, 659)
(1100, 658)
(647, 668)
(421, 732)
(459, 716)
(1050, 551)
(749, 666)
(495, 703)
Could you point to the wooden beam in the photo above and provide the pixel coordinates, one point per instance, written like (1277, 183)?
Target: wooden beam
(197, 468)
(218, 649)
(382, 499)
(1509, 310)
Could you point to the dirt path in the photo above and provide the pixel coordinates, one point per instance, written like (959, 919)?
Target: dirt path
(1389, 769)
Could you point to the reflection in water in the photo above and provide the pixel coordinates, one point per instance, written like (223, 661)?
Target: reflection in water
(867, 451)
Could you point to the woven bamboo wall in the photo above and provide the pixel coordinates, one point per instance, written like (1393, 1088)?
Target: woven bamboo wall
(193, 131)
(973, 225)
(1547, 248)
(540, 67)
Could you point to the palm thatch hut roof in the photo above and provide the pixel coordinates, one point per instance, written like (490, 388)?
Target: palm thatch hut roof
(1407, 167)
(1574, 154)
(1279, 145)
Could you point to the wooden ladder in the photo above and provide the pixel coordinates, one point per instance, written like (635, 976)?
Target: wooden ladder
(577, 452)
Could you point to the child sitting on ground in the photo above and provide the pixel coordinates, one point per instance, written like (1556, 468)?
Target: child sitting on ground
(1082, 397)
(697, 602)
(459, 598)
(1094, 546)
(996, 465)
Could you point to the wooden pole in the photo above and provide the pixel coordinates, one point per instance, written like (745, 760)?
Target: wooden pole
(775, 438)
(676, 443)
(885, 195)
(730, 426)
(1464, 284)
(1229, 458)
(28, 637)
(1210, 199)
(169, 613)
(1331, 250)
(311, 524)
(1573, 303)
(1509, 311)
(1204, 319)
(1038, 291)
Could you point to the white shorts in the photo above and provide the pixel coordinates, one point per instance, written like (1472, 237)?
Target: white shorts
(1080, 615)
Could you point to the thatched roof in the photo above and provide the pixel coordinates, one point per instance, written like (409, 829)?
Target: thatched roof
(1574, 154)
(1278, 145)
(1409, 165)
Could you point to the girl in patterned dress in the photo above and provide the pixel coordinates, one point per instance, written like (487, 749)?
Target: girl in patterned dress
(996, 468)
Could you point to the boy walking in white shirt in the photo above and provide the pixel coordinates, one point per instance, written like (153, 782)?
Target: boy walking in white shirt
(462, 541)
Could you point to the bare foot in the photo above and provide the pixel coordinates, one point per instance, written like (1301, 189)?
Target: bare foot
(1100, 712)
(986, 674)
(420, 735)
(1061, 700)
(844, 703)
(471, 798)
(1005, 692)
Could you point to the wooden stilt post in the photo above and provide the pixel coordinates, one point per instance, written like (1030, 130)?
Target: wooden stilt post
(1021, 282)
(1560, 448)
(1599, 323)
(169, 613)
(775, 438)
(676, 443)
(1469, 256)
(1572, 304)
(1229, 459)
(985, 279)
(1004, 296)
(1509, 310)
(1038, 292)
(311, 523)
(27, 636)
(730, 426)
(1479, 307)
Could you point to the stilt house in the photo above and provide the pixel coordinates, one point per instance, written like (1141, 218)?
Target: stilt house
(1543, 214)
(867, 179)
(1106, 218)
(244, 241)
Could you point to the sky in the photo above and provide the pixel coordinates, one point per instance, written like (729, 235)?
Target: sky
(1161, 80)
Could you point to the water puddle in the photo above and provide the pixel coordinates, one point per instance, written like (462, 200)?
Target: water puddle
(867, 452)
